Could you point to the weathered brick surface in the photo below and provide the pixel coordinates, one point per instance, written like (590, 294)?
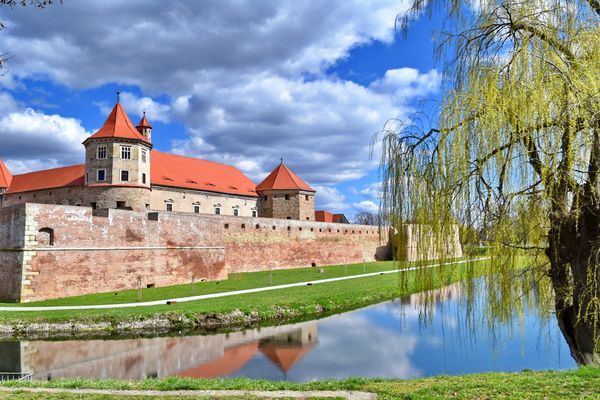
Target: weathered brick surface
(257, 244)
(123, 250)
(68, 250)
(12, 237)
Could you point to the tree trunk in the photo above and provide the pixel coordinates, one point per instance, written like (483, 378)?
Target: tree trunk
(574, 273)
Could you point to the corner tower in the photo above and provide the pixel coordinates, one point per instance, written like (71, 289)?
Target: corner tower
(117, 163)
(5, 180)
(284, 195)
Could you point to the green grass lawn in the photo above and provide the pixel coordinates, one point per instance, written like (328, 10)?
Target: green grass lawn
(272, 305)
(582, 383)
(239, 281)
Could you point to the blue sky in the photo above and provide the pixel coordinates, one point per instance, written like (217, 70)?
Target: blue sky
(243, 83)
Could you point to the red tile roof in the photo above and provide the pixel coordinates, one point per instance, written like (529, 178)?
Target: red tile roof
(323, 216)
(192, 173)
(118, 125)
(283, 179)
(144, 123)
(48, 179)
(5, 176)
(285, 357)
(232, 361)
(166, 170)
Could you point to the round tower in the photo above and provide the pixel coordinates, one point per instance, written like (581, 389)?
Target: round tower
(117, 163)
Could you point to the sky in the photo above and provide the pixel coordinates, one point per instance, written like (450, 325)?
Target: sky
(242, 82)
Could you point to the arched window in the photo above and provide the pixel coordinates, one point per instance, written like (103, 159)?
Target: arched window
(45, 237)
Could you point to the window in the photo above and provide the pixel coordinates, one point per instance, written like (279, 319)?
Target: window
(144, 155)
(124, 175)
(287, 196)
(121, 204)
(169, 206)
(218, 210)
(254, 214)
(197, 209)
(125, 152)
(143, 178)
(265, 198)
(101, 175)
(306, 197)
(236, 212)
(101, 153)
(94, 205)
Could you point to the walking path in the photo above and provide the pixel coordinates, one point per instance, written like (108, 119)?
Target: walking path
(225, 294)
(260, 394)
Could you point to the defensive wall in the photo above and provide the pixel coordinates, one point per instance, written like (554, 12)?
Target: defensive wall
(49, 251)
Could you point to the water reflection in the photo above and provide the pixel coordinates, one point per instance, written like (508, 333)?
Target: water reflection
(392, 339)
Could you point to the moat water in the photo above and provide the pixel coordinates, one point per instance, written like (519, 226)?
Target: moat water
(394, 339)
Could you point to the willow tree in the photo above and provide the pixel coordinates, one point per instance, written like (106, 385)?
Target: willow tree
(513, 150)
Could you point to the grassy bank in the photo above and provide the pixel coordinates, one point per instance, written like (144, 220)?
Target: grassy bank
(583, 383)
(245, 309)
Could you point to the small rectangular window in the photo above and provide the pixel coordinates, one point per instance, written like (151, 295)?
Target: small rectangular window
(306, 197)
(124, 176)
(197, 209)
(101, 175)
(143, 178)
(169, 206)
(101, 155)
(125, 152)
(144, 155)
(253, 213)
(287, 196)
(218, 210)
(236, 212)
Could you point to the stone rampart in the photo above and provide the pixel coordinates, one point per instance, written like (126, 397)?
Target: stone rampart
(257, 244)
(49, 251)
(69, 251)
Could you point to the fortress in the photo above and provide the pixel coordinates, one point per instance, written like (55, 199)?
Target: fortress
(134, 217)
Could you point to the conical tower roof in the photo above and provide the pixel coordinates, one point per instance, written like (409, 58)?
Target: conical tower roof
(282, 178)
(5, 176)
(118, 125)
(144, 123)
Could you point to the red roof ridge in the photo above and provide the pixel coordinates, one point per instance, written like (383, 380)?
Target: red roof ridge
(49, 169)
(282, 178)
(69, 176)
(5, 176)
(118, 125)
(195, 159)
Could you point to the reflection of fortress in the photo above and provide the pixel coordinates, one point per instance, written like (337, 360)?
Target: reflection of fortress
(190, 356)
(434, 296)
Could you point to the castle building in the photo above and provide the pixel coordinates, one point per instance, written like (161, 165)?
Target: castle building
(122, 170)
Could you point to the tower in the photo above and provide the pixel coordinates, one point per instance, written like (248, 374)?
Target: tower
(117, 163)
(284, 195)
(144, 128)
(5, 180)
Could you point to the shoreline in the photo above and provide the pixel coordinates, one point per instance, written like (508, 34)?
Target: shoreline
(234, 312)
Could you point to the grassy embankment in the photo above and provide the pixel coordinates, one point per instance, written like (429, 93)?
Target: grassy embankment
(281, 304)
(582, 383)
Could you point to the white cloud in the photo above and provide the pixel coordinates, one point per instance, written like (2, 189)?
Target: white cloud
(33, 140)
(166, 46)
(234, 73)
(329, 199)
(367, 205)
(406, 83)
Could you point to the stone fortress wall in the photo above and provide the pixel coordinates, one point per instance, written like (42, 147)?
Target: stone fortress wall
(49, 251)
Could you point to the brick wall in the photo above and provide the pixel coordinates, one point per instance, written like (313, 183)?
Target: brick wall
(256, 244)
(69, 251)
(49, 251)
